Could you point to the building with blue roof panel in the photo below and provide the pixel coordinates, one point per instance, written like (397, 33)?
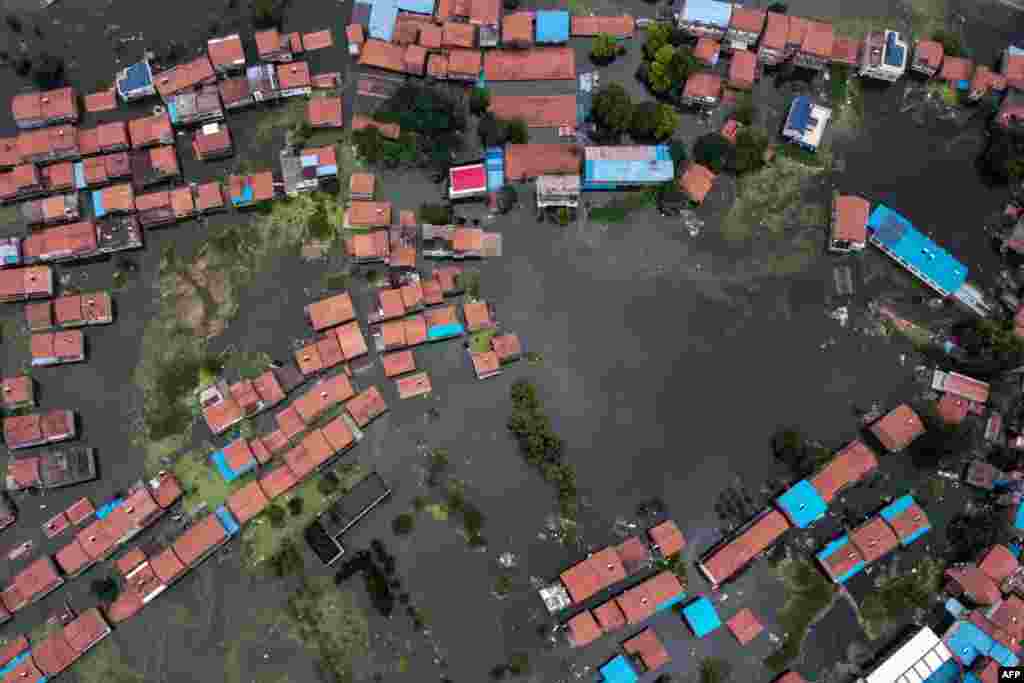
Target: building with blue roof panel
(97, 204)
(417, 6)
(702, 617)
(955, 607)
(552, 26)
(802, 504)
(13, 664)
(967, 642)
(494, 162)
(135, 81)
(382, 19)
(609, 168)
(705, 18)
(949, 672)
(1018, 518)
(806, 122)
(108, 507)
(220, 461)
(227, 520)
(933, 265)
(841, 560)
(619, 670)
(895, 514)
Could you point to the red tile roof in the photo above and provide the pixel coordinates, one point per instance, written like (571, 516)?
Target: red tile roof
(609, 616)
(898, 428)
(850, 465)
(415, 60)
(398, 363)
(850, 218)
(874, 539)
(88, 629)
(668, 538)
(338, 434)
(798, 27)
(32, 582)
(583, 629)
(457, 34)
(747, 20)
(952, 409)
(966, 387)
(184, 76)
(841, 561)
(226, 52)
(382, 55)
(727, 559)
(324, 112)
(956, 69)
(54, 654)
(26, 670)
(975, 584)
(52, 105)
(484, 12)
(929, 52)
(818, 39)
(277, 481)
(703, 84)
(388, 130)
(532, 160)
(648, 648)
(535, 64)
(641, 601)
(18, 390)
(166, 565)
(538, 111)
(845, 51)
(104, 100)
(634, 554)
(72, 558)
(518, 28)
(80, 510)
(478, 315)
(199, 539)
(594, 574)
(909, 522)
(707, 50)
(618, 27)
(998, 563)
(247, 502)
(1009, 616)
(366, 406)
(409, 386)
(293, 75)
(151, 130)
(317, 40)
(743, 69)
(697, 182)
(270, 42)
(744, 626)
(331, 311)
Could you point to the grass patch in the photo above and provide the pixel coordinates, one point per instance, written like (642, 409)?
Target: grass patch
(202, 482)
(480, 342)
(899, 595)
(846, 97)
(329, 623)
(771, 201)
(944, 91)
(261, 540)
(438, 511)
(285, 116)
(245, 364)
(858, 27)
(181, 615)
(106, 664)
(799, 255)
(580, 7)
(928, 16)
(336, 282)
(808, 592)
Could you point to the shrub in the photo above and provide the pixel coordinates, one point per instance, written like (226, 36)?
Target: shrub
(603, 49)
(712, 150)
(644, 121)
(511, 5)
(402, 524)
(516, 132)
(328, 484)
(479, 100)
(288, 560)
(751, 144)
(745, 111)
(613, 108)
(435, 214)
(276, 515)
(519, 664)
(268, 13)
(295, 506)
(952, 46)
(778, 7)
(666, 121)
(105, 589)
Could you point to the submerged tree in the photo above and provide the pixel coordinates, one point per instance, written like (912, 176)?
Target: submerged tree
(613, 108)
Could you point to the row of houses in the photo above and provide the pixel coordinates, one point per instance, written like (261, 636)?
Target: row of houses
(55, 652)
(53, 469)
(807, 501)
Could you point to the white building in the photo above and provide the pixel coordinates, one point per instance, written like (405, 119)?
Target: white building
(913, 662)
(884, 56)
(558, 190)
(806, 122)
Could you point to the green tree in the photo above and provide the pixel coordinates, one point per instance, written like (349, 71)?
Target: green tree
(479, 100)
(644, 121)
(952, 46)
(288, 560)
(402, 524)
(603, 48)
(677, 149)
(267, 13)
(667, 121)
(516, 132)
(613, 108)
(276, 515)
(658, 36)
(751, 144)
(660, 74)
(712, 150)
(683, 65)
(328, 484)
(435, 214)
(105, 589)
(745, 110)
(714, 670)
(295, 506)
(491, 131)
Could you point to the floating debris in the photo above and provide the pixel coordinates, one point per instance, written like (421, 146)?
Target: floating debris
(841, 315)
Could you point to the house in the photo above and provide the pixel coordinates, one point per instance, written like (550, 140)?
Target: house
(366, 407)
(209, 197)
(193, 107)
(33, 429)
(619, 669)
(558, 190)
(135, 81)
(18, 392)
(696, 182)
(998, 563)
(22, 182)
(77, 310)
(31, 584)
(356, 36)
(798, 27)
(154, 165)
(325, 533)
(963, 386)
(772, 48)
(212, 141)
(293, 79)
(744, 626)
(802, 504)
(583, 629)
(849, 222)
(104, 138)
(898, 428)
(485, 364)
(324, 112)
(226, 54)
(535, 64)
(463, 64)
(151, 130)
(101, 170)
(1012, 67)
(743, 70)
(154, 209)
(745, 27)
(707, 51)
(805, 123)
(250, 190)
(258, 85)
(928, 56)
(957, 72)
(479, 316)
(517, 30)
(531, 160)
(622, 26)
(537, 111)
(923, 654)
(46, 145)
(597, 572)
(467, 181)
(383, 55)
(308, 169)
(66, 467)
(725, 560)
(874, 539)
(391, 131)
(38, 109)
(702, 617)
(608, 615)
(851, 464)
(118, 233)
(414, 385)
(271, 46)
(57, 348)
(613, 167)
(486, 14)
(884, 56)
(20, 284)
(330, 312)
(705, 18)
(552, 27)
(666, 539)
(656, 594)
(634, 555)
(846, 51)
(431, 36)
(841, 560)
(204, 537)
(361, 186)
(220, 410)
(1011, 110)
(187, 76)
(507, 347)
(398, 363)
(365, 215)
(702, 89)
(457, 34)
(985, 81)
(971, 582)
(60, 208)
(906, 518)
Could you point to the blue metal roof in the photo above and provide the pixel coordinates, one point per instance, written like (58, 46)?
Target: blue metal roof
(1014, 548)
(897, 236)
(1003, 655)
(897, 507)
(11, 665)
(967, 641)
(802, 504)
(710, 12)
(417, 6)
(702, 617)
(495, 165)
(834, 546)
(108, 507)
(657, 168)
(552, 26)
(135, 77)
(442, 331)
(227, 520)
(893, 52)
(949, 672)
(799, 113)
(1018, 519)
(955, 607)
(243, 198)
(671, 602)
(97, 203)
(619, 670)
(80, 181)
(382, 19)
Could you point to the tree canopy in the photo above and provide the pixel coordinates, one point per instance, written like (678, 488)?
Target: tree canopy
(603, 48)
(751, 144)
(712, 150)
(613, 108)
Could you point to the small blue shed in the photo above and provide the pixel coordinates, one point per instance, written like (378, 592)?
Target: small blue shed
(702, 617)
(802, 504)
(552, 26)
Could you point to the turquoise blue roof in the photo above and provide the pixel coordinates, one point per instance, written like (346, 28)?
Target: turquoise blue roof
(443, 331)
(382, 19)
(702, 617)
(1015, 548)
(711, 12)
(108, 507)
(227, 520)
(895, 235)
(172, 110)
(955, 607)
(831, 548)
(657, 168)
(619, 670)
(221, 463)
(967, 642)
(671, 602)
(245, 197)
(417, 6)
(898, 507)
(80, 181)
(1018, 519)
(97, 203)
(802, 504)
(949, 672)
(1003, 655)
(495, 165)
(10, 666)
(552, 26)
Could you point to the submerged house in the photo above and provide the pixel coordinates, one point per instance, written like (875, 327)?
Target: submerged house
(259, 84)
(772, 48)
(308, 169)
(194, 107)
(212, 141)
(928, 55)
(38, 109)
(806, 122)
(705, 18)
(624, 166)
(745, 27)
(154, 165)
(849, 224)
(250, 190)
(60, 208)
(815, 51)
(135, 81)
(885, 56)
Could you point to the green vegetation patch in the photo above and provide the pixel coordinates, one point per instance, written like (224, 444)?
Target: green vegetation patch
(106, 664)
(900, 594)
(808, 593)
(329, 623)
(202, 482)
(846, 97)
(261, 540)
(480, 342)
(944, 91)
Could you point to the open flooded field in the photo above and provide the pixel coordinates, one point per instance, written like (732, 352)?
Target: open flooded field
(666, 362)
